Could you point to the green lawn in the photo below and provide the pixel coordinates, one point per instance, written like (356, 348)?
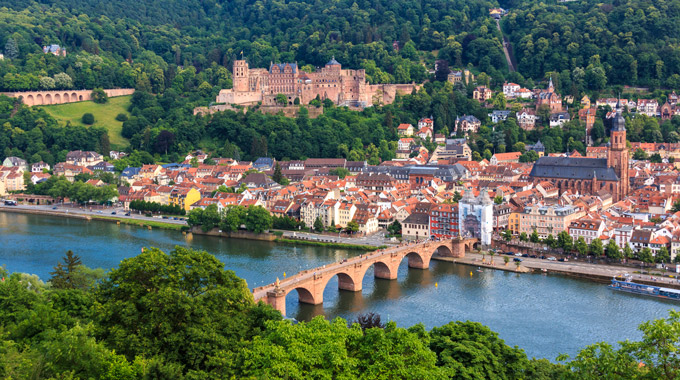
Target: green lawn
(104, 116)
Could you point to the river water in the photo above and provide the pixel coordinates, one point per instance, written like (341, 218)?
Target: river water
(544, 315)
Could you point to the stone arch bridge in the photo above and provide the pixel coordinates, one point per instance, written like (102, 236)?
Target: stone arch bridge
(310, 284)
(42, 98)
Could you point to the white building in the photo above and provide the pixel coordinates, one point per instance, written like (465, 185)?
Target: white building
(475, 216)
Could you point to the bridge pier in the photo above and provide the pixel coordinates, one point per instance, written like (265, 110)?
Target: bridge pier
(382, 270)
(277, 299)
(346, 282)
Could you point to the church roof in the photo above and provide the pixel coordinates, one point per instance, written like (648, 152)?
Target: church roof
(332, 62)
(573, 168)
(619, 123)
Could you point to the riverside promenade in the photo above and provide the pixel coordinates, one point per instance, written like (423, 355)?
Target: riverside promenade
(594, 272)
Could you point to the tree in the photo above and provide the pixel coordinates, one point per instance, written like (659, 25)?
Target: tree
(63, 81)
(87, 118)
(565, 241)
(340, 172)
(472, 351)
(498, 199)
(596, 248)
(581, 246)
(550, 241)
(46, 83)
(181, 308)
(534, 237)
(640, 154)
(394, 228)
(655, 158)
(210, 218)
(456, 196)
(99, 96)
(352, 227)
(65, 276)
(507, 235)
(277, 176)
(662, 255)
(613, 251)
(258, 219)
(318, 224)
(646, 256)
(232, 218)
(11, 48)
(281, 100)
(653, 357)
(627, 252)
(369, 321)
(523, 236)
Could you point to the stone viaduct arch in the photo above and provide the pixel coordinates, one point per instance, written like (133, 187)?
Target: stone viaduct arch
(310, 284)
(40, 98)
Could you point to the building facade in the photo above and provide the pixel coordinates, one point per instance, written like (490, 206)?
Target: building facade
(342, 86)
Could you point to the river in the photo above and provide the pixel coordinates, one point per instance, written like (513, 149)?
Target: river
(544, 315)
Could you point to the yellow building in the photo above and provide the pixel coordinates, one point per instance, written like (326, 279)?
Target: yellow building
(513, 222)
(184, 197)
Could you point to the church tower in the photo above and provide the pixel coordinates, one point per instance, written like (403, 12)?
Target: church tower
(618, 154)
(240, 75)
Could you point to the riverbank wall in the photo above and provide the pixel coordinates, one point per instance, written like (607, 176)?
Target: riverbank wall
(265, 236)
(597, 273)
(75, 215)
(274, 237)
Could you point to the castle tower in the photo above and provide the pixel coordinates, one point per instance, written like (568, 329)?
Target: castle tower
(240, 75)
(618, 154)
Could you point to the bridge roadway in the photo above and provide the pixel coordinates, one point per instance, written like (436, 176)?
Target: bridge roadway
(310, 284)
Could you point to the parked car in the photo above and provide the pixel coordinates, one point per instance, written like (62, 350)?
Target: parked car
(542, 257)
(127, 214)
(563, 259)
(552, 258)
(525, 255)
(517, 259)
(533, 256)
(113, 213)
(54, 208)
(518, 254)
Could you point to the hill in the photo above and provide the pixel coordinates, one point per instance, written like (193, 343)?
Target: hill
(104, 116)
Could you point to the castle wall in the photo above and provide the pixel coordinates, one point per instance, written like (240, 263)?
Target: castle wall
(39, 98)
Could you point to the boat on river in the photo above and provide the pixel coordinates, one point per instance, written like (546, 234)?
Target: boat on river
(647, 290)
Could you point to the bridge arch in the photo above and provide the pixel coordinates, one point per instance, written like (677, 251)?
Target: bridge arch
(39, 100)
(306, 296)
(57, 98)
(418, 260)
(74, 97)
(66, 98)
(345, 282)
(443, 250)
(29, 100)
(48, 99)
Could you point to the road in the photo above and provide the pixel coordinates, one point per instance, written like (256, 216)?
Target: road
(506, 43)
(90, 212)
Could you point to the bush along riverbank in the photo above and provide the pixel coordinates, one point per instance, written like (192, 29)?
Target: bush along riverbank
(329, 244)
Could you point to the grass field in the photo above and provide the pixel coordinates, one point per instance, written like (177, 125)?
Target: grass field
(104, 116)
